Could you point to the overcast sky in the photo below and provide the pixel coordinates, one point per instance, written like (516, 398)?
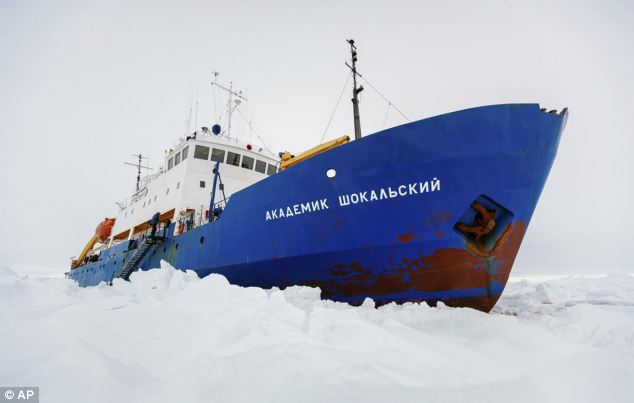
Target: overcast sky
(83, 85)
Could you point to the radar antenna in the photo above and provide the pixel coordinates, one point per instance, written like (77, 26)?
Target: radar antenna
(139, 167)
(355, 90)
(232, 104)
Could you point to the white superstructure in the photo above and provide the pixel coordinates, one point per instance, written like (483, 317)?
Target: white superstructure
(181, 189)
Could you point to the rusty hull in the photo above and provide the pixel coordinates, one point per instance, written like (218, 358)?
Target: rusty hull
(445, 269)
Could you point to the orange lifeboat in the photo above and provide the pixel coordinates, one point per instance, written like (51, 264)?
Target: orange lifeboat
(102, 232)
(104, 229)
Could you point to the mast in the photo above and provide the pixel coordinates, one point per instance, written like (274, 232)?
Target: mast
(139, 166)
(232, 104)
(355, 90)
(230, 112)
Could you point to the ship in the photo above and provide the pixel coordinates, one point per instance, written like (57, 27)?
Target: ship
(430, 211)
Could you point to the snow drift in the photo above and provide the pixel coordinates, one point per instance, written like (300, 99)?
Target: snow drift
(168, 336)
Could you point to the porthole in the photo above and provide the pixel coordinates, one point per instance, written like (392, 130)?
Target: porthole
(202, 240)
(176, 247)
(331, 173)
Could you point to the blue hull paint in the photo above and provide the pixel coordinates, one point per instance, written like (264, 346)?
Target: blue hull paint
(403, 247)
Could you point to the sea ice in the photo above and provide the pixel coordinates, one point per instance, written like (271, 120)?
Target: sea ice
(168, 336)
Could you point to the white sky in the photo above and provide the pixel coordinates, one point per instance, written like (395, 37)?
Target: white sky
(83, 85)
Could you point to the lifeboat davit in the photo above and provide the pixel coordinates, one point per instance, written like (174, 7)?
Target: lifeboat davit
(104, 229)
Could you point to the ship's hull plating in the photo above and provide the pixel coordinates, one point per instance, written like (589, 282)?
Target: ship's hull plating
(387, 225)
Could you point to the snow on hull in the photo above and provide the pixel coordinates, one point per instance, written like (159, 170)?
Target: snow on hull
(168, 336)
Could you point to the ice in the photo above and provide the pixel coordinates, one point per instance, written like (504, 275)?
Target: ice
(168, 336)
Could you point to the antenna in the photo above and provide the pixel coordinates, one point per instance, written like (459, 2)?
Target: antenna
(186, 128)
(189, 119)
(196, 115)
(139, 166)
(213, 93)
(355, 90)
(230, 105)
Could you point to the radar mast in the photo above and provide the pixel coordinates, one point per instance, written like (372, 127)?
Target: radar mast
(355, 90)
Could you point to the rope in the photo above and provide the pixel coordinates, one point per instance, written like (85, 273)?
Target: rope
(383, 96)
(336, 107)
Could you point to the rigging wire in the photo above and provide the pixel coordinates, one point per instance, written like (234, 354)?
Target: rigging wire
(336, 107)
(252, 126)
(258, 134)
(224, 115)
(214, 95)
(383, 96)
(387, 112)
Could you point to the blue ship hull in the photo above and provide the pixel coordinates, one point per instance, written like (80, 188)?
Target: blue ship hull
(392, 225)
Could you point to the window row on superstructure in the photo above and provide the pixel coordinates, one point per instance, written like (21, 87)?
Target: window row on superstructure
(209, 154)
(219, 155)
(177, 158)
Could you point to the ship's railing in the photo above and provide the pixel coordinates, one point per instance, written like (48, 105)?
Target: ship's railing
(217, 210)
(214, 139)
(222, 203)
(202, 219)
(149, 178)
(139, 194)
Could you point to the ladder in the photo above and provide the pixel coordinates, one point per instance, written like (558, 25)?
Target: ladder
(132, 262)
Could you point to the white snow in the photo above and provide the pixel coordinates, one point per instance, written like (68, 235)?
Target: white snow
(168, 336)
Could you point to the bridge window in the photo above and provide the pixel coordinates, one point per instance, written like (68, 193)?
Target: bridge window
(218, 155)
(233, 158)
(201, 152)
(170, 164)
(177, 159)
(260, 166)
(247, 162)
(184, 153)
(271, 170)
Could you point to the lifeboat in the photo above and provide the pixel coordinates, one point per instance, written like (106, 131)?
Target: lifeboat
(104, 229)
(102, 232)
